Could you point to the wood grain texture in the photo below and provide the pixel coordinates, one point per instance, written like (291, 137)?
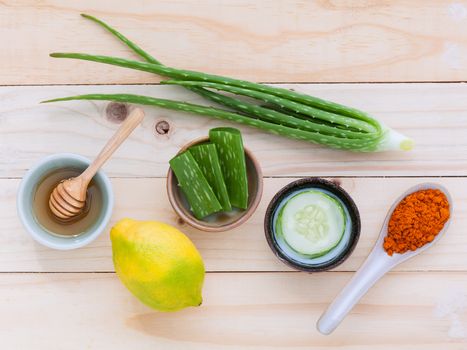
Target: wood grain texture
(242, 249)
(248, 311)
(434, 115)
(251, 300)
(270, 41)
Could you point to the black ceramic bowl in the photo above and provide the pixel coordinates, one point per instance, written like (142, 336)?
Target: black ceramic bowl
(302, 262)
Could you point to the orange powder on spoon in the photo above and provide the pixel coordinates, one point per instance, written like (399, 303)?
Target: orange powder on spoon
(417, 219)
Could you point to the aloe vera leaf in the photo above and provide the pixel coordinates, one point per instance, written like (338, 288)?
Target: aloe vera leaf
(229, 144)
(199, 194)
(208, 160)
(297, 107)
(388, 139)
(288, 118)
(138, 50)
(274, 116)
(361, 145)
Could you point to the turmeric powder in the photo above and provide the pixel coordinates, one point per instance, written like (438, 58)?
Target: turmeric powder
(416, 221)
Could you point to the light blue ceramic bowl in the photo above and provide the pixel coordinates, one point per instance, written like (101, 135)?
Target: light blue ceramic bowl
(27, 189)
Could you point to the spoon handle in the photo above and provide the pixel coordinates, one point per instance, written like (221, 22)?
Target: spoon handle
(131, 122)
(369, 273)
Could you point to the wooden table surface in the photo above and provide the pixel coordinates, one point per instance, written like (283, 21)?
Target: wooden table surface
(403, 61)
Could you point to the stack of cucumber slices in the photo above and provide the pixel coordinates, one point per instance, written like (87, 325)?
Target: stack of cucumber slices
(311, 222)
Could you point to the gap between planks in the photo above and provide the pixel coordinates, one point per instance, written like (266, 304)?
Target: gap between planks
(259, 82)
(233, 272)
(297, 177)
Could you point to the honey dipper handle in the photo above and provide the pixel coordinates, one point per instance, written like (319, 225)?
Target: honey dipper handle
(131, 122)
(369, 273)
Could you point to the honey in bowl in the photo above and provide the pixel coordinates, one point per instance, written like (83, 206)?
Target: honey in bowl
(79, 224)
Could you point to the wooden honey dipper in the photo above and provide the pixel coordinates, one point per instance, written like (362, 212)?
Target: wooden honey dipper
(68, 198)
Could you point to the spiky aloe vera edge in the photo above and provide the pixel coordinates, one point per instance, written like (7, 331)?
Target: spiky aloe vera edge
(199, 194)
(229, 145)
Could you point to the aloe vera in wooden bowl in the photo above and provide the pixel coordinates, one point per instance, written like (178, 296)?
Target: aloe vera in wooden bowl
(213, 183)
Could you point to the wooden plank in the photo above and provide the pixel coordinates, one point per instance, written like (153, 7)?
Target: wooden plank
(242, 249)
(299, 41)
(248, 311)
(433, 115)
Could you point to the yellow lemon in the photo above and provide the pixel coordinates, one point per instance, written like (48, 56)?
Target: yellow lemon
(158, 264)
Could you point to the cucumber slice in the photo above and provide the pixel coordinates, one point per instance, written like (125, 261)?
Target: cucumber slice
(312, 222)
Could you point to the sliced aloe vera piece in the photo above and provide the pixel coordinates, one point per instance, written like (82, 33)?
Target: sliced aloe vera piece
(312, 222)
(207, 158)
(199, 194)
(229, 145)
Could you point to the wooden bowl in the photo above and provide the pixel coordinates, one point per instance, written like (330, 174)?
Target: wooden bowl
(221, 221)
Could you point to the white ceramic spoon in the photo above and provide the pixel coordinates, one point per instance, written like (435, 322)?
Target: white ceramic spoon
(374, 267)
